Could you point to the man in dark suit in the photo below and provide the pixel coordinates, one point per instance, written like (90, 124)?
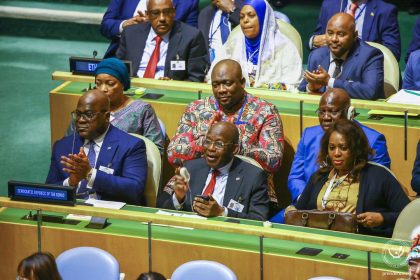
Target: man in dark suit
(100, 159)
(376, 21)
(214, 19)
(163, 47)
(345, 63)
(122, 13)
(220, 184)
(415, 40)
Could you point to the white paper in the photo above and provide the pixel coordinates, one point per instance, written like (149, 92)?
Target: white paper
(405, 97)
(105, 203)
(193, 216)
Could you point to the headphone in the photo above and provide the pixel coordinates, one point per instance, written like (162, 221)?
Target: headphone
(350, 113)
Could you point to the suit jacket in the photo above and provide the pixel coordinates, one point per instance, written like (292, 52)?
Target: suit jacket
(304, 163)
(379, 191)
(246, 184)
(380, 23)
(412, 72)
(415, 180)
(415, 41)
(206, 16)
(186, 43)
(362, 74)
(123, 153)
(120, 10)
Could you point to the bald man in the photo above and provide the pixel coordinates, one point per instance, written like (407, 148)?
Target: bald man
(220, 184)
(334, 105)
(258, 122)
(345, 62)
(164, 48)
(99, 160)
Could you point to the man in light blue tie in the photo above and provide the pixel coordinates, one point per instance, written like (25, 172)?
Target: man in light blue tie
(99, 159)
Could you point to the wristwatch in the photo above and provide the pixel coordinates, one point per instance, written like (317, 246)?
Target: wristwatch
(89, 175)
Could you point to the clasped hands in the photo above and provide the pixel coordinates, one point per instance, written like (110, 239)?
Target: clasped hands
(77, 165)
(370, 219)
(316, 79)
(201, 206)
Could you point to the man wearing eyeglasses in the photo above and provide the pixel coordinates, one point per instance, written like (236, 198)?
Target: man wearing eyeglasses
(99, 160)
(164, 48)
(220, 184)
(334, 105)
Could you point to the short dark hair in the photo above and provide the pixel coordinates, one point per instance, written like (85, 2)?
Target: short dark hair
(151, 276)
(357, 142)
(39, 266)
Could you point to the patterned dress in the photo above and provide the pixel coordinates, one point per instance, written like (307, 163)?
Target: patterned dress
(259, 125)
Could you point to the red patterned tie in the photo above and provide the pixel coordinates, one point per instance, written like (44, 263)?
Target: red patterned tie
(352, 10)
(210, 187)
(154, 59)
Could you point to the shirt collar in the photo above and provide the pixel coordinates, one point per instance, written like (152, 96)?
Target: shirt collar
(98, 141)
(343, 57)
(153, 34)
(224, 170)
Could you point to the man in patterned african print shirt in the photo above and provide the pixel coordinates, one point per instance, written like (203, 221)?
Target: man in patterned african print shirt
(258, 121)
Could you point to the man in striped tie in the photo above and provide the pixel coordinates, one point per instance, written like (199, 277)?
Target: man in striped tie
(220, 184)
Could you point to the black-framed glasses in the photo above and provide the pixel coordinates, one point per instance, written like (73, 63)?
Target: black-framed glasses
(89, 116)
(331, 113)
(217, 144)
(156, 13)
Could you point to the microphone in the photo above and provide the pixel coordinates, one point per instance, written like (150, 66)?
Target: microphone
(88, 192)
(95, 53)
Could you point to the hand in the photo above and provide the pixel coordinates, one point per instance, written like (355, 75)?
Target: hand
(207, 208)
(165, 78)
(319, 40)
(317, 79)
(370, 219)
(180, 187)
(77, 165)
(140, 17)
(224, 5)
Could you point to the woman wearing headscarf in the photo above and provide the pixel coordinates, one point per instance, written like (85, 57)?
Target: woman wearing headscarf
(131, 116)
(268, 58)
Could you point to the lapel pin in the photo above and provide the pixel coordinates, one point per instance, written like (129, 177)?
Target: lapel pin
(372, 14)
(238, 178)
(109, 148)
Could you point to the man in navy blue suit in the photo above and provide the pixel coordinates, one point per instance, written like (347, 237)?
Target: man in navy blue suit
(415, 40)
(345, 63)
(99, 160)
(123, 13)
(375, 20)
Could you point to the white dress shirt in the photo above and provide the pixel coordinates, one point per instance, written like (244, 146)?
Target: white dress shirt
(141, 6)
(332, 67)
(215, 36)
(148, 51)
(359, 15)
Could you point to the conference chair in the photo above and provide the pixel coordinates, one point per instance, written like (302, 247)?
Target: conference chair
(162, 127)
(249, 160)
(203, 270)
(391, 70)
(87, 263)
(290, 32)
(407, 221)
(154, 170)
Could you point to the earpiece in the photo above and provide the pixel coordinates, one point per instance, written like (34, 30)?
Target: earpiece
(350, 113)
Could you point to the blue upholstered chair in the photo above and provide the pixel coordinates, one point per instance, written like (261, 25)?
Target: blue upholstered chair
(87, 263)
(203, 270)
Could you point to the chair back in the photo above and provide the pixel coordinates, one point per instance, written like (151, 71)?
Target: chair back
(86, 263)
(391, 70)
(290, 32)
(154, 170)
(203, 270)
(407, 221)
(249, 160)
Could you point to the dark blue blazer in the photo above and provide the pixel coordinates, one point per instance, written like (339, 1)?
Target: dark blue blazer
(412, 72)
(415, 180)
(380, 23)
(415, 41)
(305, 160)
(119, 10)
(186, 43)
(123, 153)
(379, 191)
(246, 184)
(362, 74)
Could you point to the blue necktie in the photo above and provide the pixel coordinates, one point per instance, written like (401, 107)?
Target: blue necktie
(83, 191)
(224, 27)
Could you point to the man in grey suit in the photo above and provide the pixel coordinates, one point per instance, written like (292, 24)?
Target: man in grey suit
(164, 48)
(221, 184)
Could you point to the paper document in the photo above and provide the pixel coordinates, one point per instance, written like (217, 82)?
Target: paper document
(96, 203)
(405, 96)
(161, 212)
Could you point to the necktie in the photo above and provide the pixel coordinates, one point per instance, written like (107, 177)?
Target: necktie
(210, 187)
(83, 191)
(352, 10)
(154, 59)
(337, 71)
(224, 27)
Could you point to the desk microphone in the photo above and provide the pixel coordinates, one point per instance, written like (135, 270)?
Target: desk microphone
(95, 53)
(88, 192)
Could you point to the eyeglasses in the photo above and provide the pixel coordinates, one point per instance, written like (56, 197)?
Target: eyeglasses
(331, 113)
(217, 144)
(89, 116)
(156, 13)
